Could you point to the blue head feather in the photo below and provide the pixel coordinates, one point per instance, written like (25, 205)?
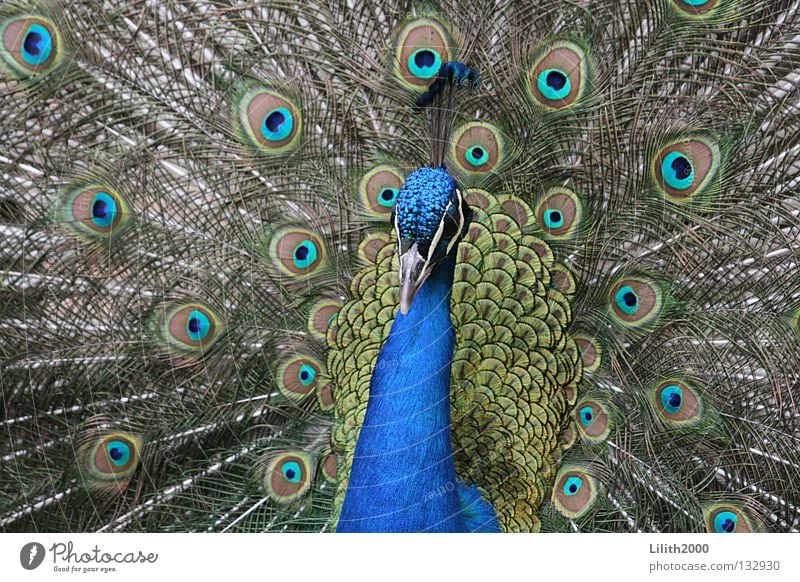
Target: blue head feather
(421, 203)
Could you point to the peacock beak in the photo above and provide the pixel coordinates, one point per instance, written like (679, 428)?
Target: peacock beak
(414, 269)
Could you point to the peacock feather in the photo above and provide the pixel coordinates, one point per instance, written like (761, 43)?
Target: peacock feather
(400, 266)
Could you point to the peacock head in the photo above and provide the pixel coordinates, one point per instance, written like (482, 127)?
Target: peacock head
(430, 218)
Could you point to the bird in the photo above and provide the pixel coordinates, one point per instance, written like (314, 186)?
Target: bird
(400, 266)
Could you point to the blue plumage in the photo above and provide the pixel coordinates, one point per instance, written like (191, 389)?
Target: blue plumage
(403, 475)
(422, 202)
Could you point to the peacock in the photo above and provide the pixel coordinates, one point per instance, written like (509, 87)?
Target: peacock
(400, 265)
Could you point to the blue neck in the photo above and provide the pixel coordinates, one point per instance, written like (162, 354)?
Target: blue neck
(403, 476)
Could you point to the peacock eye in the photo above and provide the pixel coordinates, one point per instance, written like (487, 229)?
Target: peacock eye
(593, 420)
(635, 301)
(198, 326)
(268, 121)
(477, 155)
(330, 468)
(727, 518)
(322, 316)
(424, 63)
(421, 48)
(307, 374)
(572, 485)
(378, 190)
(192, 327)
(296, 251)
(287, 477)
(112, 457)
(477, 147)
(678, 403)
(554, 84)
(676, 170)
(119, 453)
(305, 254)
(387, 197)
(553, 219)
(298, 376)
(725, 522)
(30, 45)
(95, 211)
(683, 170)
(291, 471)
(672, 399)
(574, 492)
(278, 124)
(590, 352)
(696, 8)
(557, 78)
(559, 212)
(626, 300)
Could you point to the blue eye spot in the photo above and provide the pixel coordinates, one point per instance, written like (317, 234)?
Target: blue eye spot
(119, 452)
(387, 197)
(104, 210)
(572, 485)
(553, 219)
(586, 415)
(37, 45)
(307, 374)
(725, 522)
(554, 84)
(696, 2)
(672, 398)
(424, 63)
(198, 326)
(677, 171)
(278, 124)
(291, 471)
(626, 300)
(477, 156)
(305, 254)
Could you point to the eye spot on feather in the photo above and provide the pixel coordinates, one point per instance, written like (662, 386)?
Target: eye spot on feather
(321, 317)
(563, 280)
(590, 352)
(31, 46)
(727, 518)
(559, 212)
(518, 210)
(330, 468)
(558, 76)
(296, 251)
(288, 477)
(94, 211)
(378, 190)
(420, 49)
(110, 460)
(477, 148)
(678, 403)
(478, 198)
(593, 420)
(324, 394)
(635, 301)
(191, 327)
(696, 8)
(574, 492)
(268, 121)
(371, 245)
(684, 169)
(298, 376)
